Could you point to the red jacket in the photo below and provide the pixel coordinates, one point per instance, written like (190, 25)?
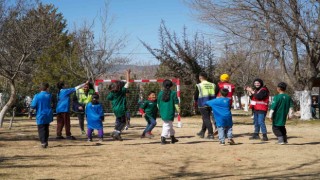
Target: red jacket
(260, 105)
(226, 85)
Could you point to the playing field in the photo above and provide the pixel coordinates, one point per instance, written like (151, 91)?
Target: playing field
(191, 158)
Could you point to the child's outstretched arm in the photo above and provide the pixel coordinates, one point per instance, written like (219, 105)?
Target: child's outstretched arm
(128, 71)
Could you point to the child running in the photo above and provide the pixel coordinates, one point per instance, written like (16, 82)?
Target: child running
(95, 117)
(167, 102)
(149, 111)
(222, 113)
(281, 108)
(117, 96)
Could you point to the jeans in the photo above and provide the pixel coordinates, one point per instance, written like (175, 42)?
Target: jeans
(259, 123)
(206, 121)
(43, 131)
(120, 123)
(224, 130)
(151, 124)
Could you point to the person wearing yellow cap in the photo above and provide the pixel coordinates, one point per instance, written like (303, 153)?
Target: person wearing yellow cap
(225, 84)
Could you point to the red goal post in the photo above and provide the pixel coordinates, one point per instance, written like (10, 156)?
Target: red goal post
(176, 81)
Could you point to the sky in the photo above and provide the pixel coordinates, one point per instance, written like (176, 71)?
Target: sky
(138, 19)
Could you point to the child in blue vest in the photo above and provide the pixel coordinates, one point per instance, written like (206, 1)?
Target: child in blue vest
(222, 113)
(95, 117)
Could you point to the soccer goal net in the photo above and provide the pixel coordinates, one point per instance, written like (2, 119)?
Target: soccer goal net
(137, 92)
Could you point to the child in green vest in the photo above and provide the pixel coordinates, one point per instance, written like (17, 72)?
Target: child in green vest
(281, 109)
(167, 103)
(149, 111)
(117, 96)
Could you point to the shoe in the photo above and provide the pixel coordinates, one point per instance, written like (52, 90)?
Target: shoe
(149, 135)
(117, 136)
(200, 134)
(264, 137)
(231, 142)
(44, 145)
(255, 136)
(71, 138)
(100, 139)
(215, 132)
(210, 136)
(126, 128)
(60, 137)
(143, 135)
(222, 143)
(83, 133)
(163, 140)
(89, 140)
(173, 140)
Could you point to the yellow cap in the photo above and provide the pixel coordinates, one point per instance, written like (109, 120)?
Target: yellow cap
(224, 78)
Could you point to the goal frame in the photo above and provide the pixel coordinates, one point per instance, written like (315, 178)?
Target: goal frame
(174, 80)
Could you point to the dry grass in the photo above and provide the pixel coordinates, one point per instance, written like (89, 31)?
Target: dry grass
(192, 158)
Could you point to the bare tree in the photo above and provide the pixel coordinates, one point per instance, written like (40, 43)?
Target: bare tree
(288, 29)
(99, 55)
(25, 30)
(183, 57)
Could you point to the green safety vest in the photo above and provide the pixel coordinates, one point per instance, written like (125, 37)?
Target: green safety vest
(83, 98)
(206, 92)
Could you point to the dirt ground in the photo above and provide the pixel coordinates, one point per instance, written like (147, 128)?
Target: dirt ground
(191, 158)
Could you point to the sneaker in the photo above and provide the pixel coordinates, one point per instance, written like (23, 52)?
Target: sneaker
(215, 132)
(89, 140)
(149, 135)
(210, 136)
(143, 135)
(222, 143)
(231, 142)
(127, 127)
(60, 137)
(255, 136)
(200, 134)
(83, 133)
(71, 138)
(44, 145)
(100, 139)
(281, 143)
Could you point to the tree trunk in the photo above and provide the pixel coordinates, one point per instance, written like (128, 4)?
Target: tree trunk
(10, 102)
(305, 104)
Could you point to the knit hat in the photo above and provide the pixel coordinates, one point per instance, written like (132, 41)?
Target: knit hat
(224, 78)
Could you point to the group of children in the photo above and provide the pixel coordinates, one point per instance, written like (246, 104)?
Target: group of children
(166, 102)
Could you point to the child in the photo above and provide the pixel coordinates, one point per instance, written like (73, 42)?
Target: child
(282, 104)
(117, 96)
(149, 111)
(95, 117)
(44, 115)
(63, 109)
(167, 102)
(222, 113)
